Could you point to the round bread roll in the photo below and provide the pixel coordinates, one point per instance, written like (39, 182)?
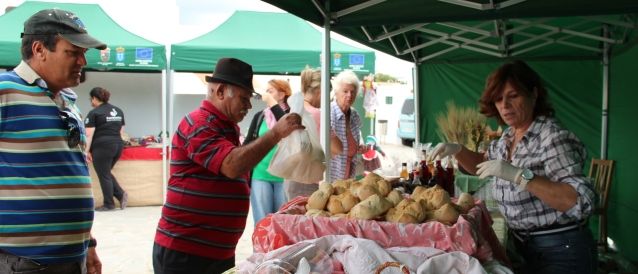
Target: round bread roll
(395, 197)
(317, 213)
(340, 186)
(446, 214)
(466, 202)
(366, 191)
(371, 178)
(319, 198)
(355, 187)
(384, 187)
(412, 207)
(341, 203)
(326, 187)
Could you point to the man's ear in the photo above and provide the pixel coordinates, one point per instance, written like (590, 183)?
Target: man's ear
(39, 50)
(218, 91)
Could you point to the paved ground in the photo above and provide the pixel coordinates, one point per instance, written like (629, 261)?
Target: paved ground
(125, 237)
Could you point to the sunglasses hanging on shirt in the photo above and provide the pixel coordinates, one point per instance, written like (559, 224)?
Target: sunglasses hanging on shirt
(73, 131)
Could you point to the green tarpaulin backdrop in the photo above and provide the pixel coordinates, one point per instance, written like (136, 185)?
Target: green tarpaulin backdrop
(125, 52)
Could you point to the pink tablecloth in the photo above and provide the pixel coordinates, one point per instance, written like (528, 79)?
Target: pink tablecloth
(471, 234)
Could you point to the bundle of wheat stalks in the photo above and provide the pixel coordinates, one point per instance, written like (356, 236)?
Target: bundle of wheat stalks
(463, 125)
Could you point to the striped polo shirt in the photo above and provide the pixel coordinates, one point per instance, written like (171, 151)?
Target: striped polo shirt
(205, 212)
(46, 203)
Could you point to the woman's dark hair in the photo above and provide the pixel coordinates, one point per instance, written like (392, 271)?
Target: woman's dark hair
(48, 40)
(100, 94)
(524, 79)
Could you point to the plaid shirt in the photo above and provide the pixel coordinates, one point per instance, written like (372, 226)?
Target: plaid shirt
(338, 124)
(551, 151)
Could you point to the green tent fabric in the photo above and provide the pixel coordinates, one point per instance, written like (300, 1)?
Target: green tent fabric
(273, 43)
(125, 52)
(454, 44)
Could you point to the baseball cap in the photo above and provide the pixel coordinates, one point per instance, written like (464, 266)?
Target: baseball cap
(64, 23)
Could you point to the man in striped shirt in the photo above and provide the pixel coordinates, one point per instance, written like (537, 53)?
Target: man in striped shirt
(207, 198)
(46, 204)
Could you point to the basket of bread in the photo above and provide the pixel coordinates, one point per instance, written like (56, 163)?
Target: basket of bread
(372, 198)
(370, 208)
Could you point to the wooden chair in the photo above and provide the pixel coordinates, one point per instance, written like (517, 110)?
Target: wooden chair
(600, 172)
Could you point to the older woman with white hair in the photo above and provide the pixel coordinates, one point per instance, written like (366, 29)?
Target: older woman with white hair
(346, 124)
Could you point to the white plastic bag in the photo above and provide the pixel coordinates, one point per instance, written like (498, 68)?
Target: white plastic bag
(299, 157)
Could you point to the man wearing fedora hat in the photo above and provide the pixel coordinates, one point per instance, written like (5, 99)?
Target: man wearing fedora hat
(46, 212)
(207, 199)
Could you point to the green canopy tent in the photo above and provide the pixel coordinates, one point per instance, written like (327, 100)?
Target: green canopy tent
(581, 48)
(126, 52)
(273, 43)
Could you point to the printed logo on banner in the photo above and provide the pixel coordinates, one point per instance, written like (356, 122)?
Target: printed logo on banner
(143, 54)
(105, 54)
(357, 59)
(356, 62)
(120, 54)
(336, 61)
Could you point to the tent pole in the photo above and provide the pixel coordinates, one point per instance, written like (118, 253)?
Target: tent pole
(163, 131)
(605, 107)
(325, 91)
(417, 106)
(171, 89)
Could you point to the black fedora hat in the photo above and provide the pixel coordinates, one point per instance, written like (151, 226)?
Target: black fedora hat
(233, 71)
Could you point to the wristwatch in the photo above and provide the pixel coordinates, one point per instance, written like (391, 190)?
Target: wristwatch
(526, 176)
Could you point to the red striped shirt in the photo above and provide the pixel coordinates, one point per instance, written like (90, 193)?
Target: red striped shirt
(205, 212)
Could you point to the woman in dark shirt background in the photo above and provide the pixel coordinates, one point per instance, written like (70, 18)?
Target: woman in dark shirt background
(104, 126)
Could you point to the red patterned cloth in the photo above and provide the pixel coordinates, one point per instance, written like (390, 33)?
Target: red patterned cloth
(471, 234)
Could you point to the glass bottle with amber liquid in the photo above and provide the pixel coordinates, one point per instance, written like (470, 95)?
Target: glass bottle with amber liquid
(404, 172)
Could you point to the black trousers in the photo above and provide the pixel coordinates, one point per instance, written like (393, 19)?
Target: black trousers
(167, 261)
(104, 158)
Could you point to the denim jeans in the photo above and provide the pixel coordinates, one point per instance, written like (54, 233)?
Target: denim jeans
(266, 197)
(562, 253)
(11, 264)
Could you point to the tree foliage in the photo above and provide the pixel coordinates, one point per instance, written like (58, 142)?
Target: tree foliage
(380, 77)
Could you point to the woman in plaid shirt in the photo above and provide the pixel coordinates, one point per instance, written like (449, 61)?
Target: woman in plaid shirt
(539, 182)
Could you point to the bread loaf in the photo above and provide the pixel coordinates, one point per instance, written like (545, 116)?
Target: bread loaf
(370, 208)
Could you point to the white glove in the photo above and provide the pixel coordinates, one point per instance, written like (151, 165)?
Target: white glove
(500, 169)
(444, 149)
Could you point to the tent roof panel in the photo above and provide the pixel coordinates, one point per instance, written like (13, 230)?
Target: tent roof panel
(126, 51)
(442, 31)
(271, 42)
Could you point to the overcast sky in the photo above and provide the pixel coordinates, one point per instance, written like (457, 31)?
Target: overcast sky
(187, 19)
